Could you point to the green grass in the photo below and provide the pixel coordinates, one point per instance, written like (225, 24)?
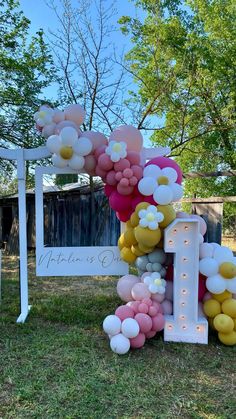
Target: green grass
(59, 365)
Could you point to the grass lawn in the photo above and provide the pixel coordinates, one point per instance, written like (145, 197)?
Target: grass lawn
(59, 365)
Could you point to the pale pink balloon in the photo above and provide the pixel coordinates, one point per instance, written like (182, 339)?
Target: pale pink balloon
(158, 297)
(122, 165)
(97, 139)
(158, 322)
(143, 308)
(134, 305)
(133, 157)
(125, 190)
(203, 225)
(90, 165)
(104, 162)
(140, 291)
(124, 312)
(144, 321)
(152, 311)
(58, 116)
(167, 307)
(150, 334)
(100, 150)
(100, 172)
(64, 124)
(138, 341)
(169, 290)
(75, 113)
(130, 135)
(48, 130)
(125, 285)
(111, 178)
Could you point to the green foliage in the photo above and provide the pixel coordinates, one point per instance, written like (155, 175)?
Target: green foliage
(26, 69)
(183, 62)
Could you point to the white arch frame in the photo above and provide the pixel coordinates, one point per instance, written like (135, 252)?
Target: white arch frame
(22, 155)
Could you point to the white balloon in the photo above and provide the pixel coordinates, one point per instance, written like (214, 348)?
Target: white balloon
(223, 254)
(163, 195)
(231, 285)
(206, 250)
(58, 161)
(112, 325)
(76, 162)
(208, 266)
(170, 173)
(177, 191)
(200, 238)
(152, 171)
(120, 344)
(54, 143)
(68, 136)
(130, 328)
(83, 146)
(216, 284)
(147, 186)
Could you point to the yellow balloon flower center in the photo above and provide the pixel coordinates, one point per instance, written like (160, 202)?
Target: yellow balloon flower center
(117, 147)
(163, 180)
(227, 270)
(150, 217)
(66, 152)
(157, 281)
(42, 114)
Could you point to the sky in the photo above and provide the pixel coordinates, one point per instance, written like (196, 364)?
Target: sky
(41, 16)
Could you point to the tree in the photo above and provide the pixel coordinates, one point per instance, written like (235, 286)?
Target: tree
(26, 69)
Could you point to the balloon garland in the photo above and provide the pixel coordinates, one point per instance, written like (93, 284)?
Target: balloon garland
(142, 196)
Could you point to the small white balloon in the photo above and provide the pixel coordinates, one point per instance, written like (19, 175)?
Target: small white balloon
(206, 250)
(76, 162)
(68, 136)
(200, 238)
(152, 171)
(216, 284)
(170, 173)
(53, 143)
(147, 186)
(163, 195)
(83, 146)
(130, 328)
(208, 266)
(223, 254)
(112, 325)
(58, 161)
(120, 344)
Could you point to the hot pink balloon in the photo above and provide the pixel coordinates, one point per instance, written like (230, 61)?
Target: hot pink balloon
(138, 341)
(124, 216)
(75, 113)
(120, 202)
(130, 135)
(108, 189)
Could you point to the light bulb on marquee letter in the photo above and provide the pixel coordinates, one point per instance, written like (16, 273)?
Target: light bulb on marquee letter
(182, 239)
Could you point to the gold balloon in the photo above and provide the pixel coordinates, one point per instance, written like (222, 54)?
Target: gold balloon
(134, 219)
(129, 237)
(147, 237)
(169, 214)
(127, 255)
(136, 251)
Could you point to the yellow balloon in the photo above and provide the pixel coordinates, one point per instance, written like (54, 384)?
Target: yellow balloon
(229, 307)
(228, 339)
(121, 241)
(134, 219)
(145, 249)
(211, 308)
(222, 297)
(169, 214)
(136, 251)
(234, 324)
(227, 270)
(223, 323)
(146, 236)
(129, 237)
(127, 255)
(128, 224)
(140, 206)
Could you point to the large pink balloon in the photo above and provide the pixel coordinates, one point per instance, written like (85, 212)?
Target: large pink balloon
(140, 291)
(124, 312)
(120, 202)
(163, 162)
(124, 216)
(125, 285)
(64, 124)
(130, 135)
(202, 223)
(75, 113)
(138, 341)
(97, 139)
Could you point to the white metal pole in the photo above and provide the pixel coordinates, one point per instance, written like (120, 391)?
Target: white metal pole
(22, 237)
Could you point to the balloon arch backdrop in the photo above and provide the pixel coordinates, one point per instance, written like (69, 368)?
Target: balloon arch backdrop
(182, 285)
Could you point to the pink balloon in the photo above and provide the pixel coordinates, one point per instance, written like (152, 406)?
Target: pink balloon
(64, 124)
(122, 165)
(90, 165)
(144, 321)
(125, 285)
(100, 172)
(100, 150)
(48, 130)
(152, 311)
(158, 322)
(97, 139)
(202, 223)
(147, 301)
(140, 291)
(206, 297)
(133, 157)
(150, 334)
(134, 305)
(163, 162)
(158, 297)
(75, 113)
(111, 178)
(58, 116)
(123, 189)
(138, 341)
(120, 202)
(124, 312)
(143, 308)
(124, 216)
(108, 189)
(167, 307)
(130, 135)
(104, 162)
